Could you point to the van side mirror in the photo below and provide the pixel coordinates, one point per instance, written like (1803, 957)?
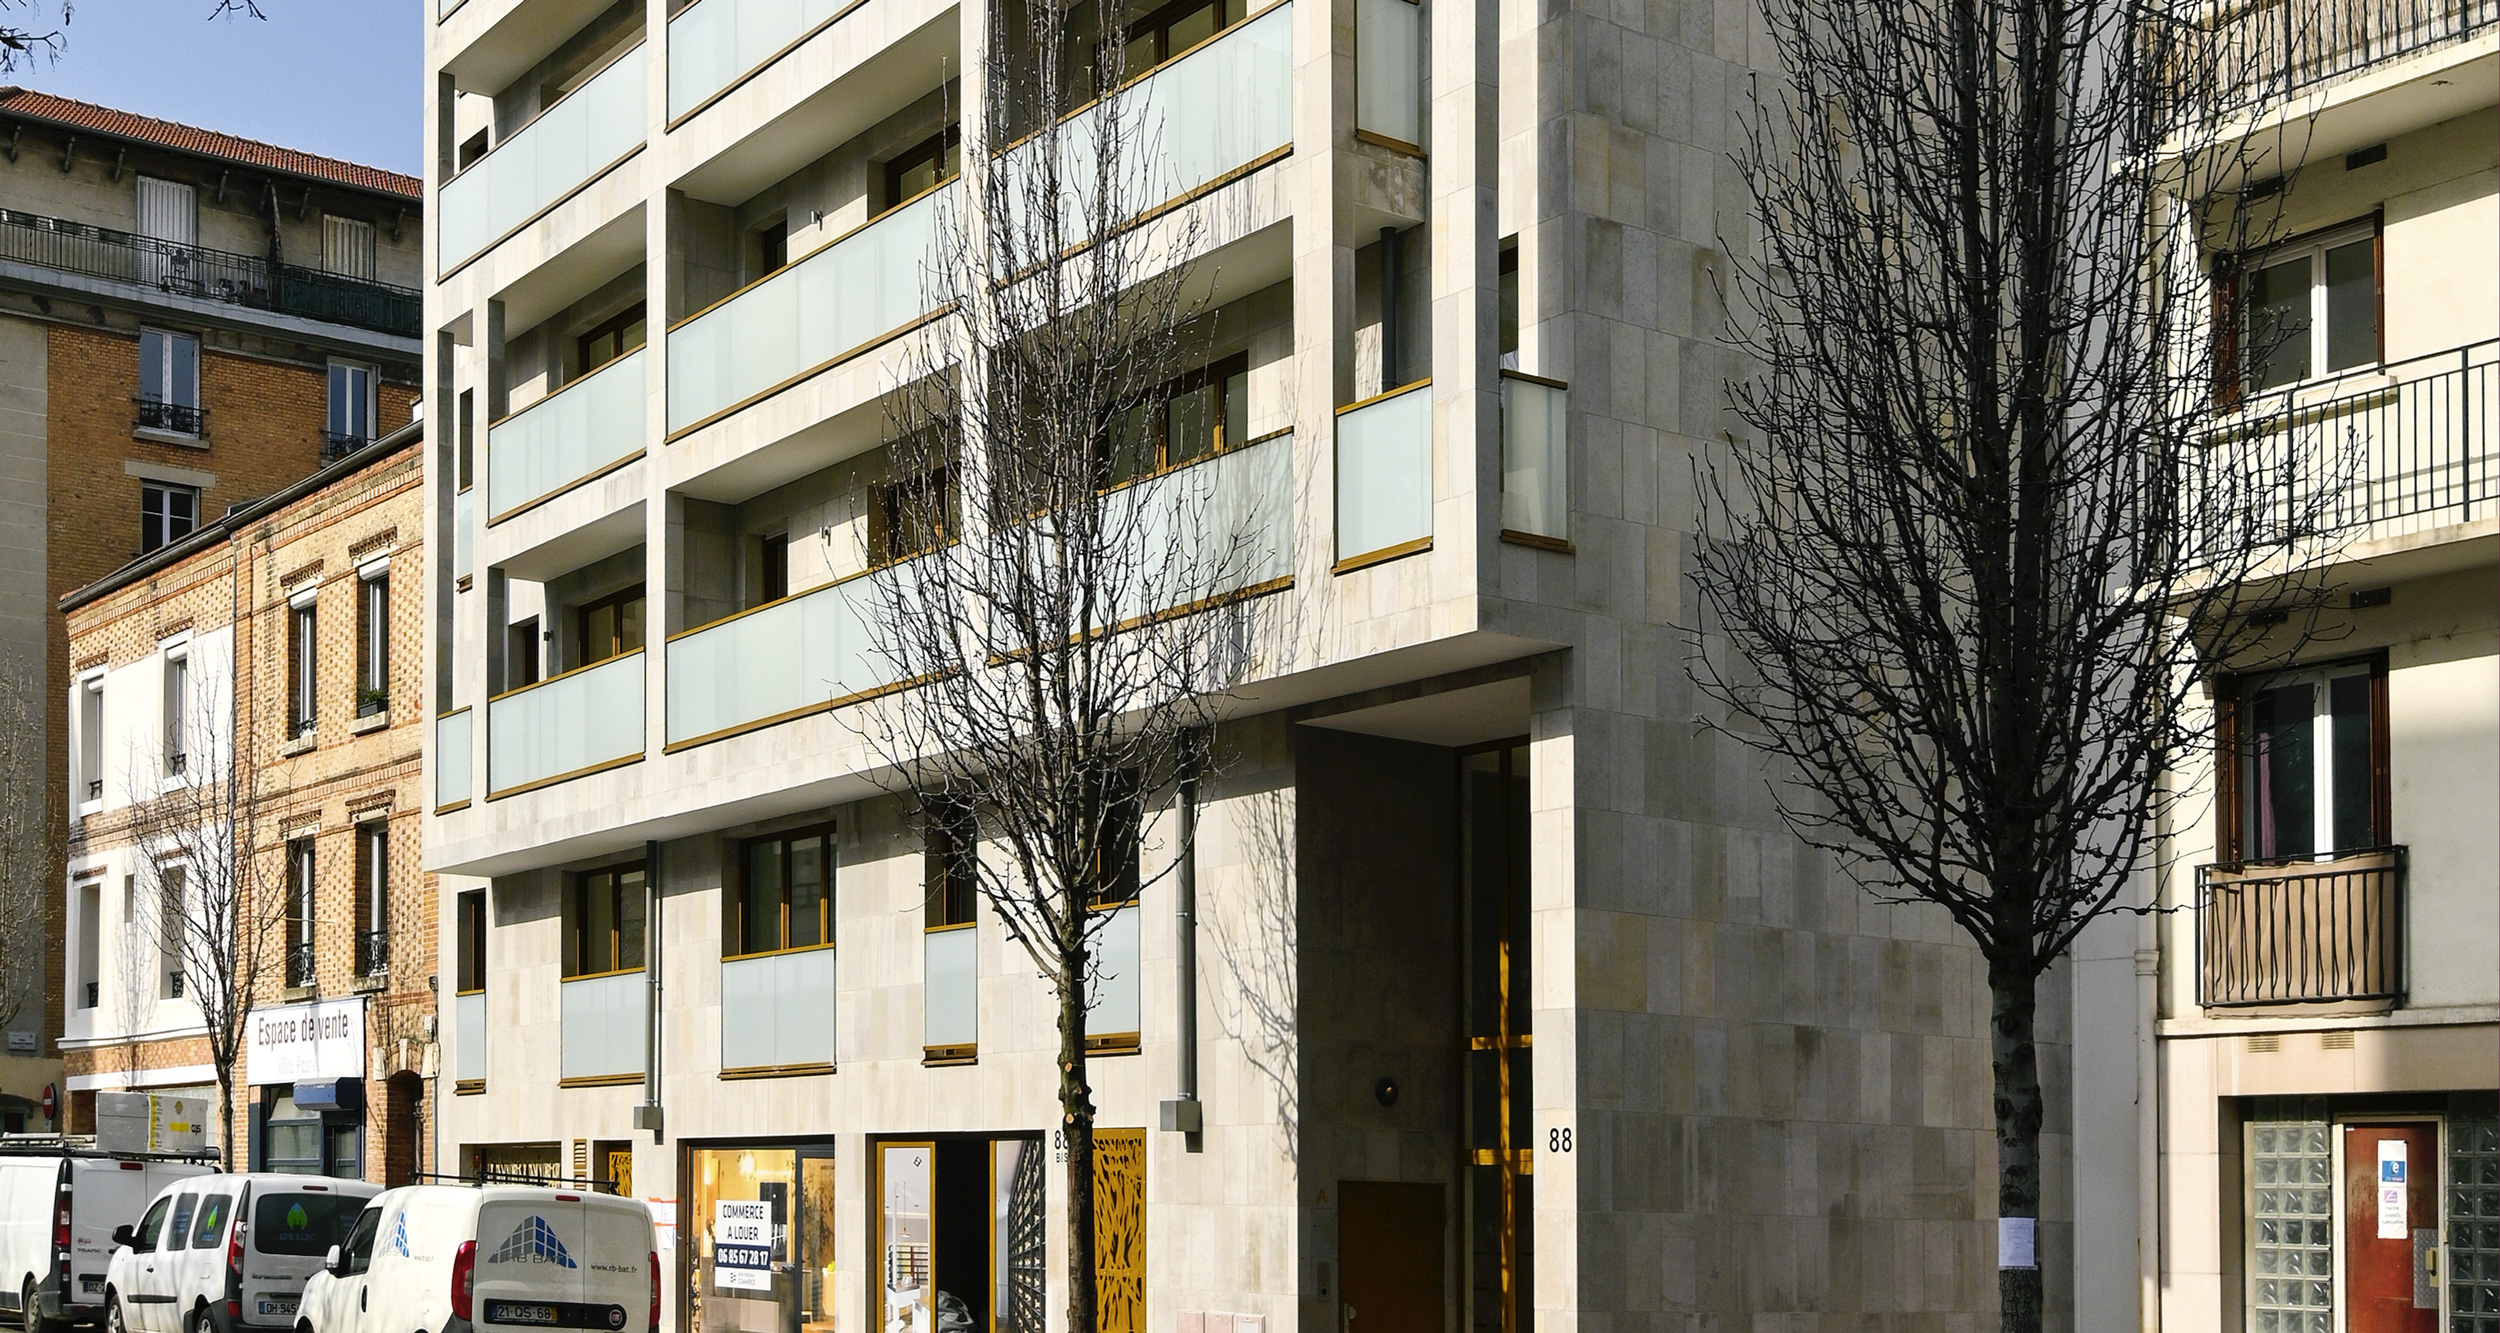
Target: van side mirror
(335, 1262)
(125, 1238)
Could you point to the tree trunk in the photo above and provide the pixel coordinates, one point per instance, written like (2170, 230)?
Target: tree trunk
(1076, 1103)
(225, 1115)
(2016, 1063)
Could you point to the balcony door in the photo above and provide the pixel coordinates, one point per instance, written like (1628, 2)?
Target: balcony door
(169, 213)
(2311, 764)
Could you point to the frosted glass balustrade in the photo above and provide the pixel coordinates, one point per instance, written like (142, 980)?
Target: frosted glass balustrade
(950, 984)
(469, 1025)
(1238, 507)
(1114, 995)
(791, 655)
(591, 128)
(1384, 472)
(578, 430)
(776, 1010)
(1536, 495)
(1388, 69)
(454, 737)
(835, 301)
(714, 43)
(565, 725)
(604, 1019)
(464, 533)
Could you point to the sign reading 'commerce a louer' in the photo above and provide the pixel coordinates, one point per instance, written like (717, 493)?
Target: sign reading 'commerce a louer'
(296, 1043)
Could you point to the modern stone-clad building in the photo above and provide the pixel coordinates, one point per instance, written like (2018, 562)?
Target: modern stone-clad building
(274, 652)
(188, 321)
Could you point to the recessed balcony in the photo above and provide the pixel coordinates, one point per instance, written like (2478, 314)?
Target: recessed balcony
(1384, 476)
(580, 431)
(568, 145)
(2272, 49)
(566, 726)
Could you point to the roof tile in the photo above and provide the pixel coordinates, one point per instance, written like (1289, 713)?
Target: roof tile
(34, 105)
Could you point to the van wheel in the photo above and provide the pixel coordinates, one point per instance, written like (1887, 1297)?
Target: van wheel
(198, 1322)
(29, 1318)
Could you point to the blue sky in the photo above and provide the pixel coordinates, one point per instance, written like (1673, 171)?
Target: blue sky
(339, 77)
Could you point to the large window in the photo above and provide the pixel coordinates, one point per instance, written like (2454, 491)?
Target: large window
(373, 897)
(303, 646)
(614, 338)
(300, 905)
(301, 1141)
(168, 512)
(91, 738)
(912, 515)
(169, 382)
(964, 1219)
(2310, 309)
(603, 922)
(785, 894)
(2310, 763)
(177, 711)
(351, 405)
(760, 1237)
(469, 932)
(609, 627)
(1192, 417)
(373, 643)
(924, 166)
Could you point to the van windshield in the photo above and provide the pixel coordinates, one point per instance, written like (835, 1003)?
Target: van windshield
(302, 1224)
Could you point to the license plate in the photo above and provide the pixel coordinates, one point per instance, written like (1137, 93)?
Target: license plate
(91, 1282)
(514, 1312)
(277, 1305)
(555, 1314)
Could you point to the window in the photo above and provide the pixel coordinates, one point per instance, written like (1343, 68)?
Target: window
(471, 149)
(304, 1142)
(91, 739)
(464, 465)
(303, 646)
(924, 166)
(1152, 39)
(177, 712)
(90, 941)
(1197, 415)
(520, 654)
(948, 868)
(796, 1259)
(172, 928)
(303, 1225)
(373, 897)
(912, 515)
(2311, 763)
(351, 405)
(772, 247)
(603, 922)
(1116, 879)
(348, 247)
(167, 513)
(613, 338)
(784, 898)
(169, 382)
(469, 935)
(609, 627)
(1506, 320)
(210, 1226)
(299, 912)
(151, 1226)
(772, 568)
(2310, 309)
(373, 644)
(178, 1226)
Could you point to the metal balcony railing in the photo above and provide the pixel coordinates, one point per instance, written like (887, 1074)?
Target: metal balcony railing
(2265, 50)
(373, 952)
(157, 414)
(2301, 932)
(299, 964)
(336, 445)
(94, 993)
(215, 275)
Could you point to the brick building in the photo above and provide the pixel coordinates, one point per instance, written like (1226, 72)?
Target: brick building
(275, 650)
(188, 320)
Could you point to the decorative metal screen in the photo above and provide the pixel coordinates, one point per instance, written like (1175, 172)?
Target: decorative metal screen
(1120, 1230)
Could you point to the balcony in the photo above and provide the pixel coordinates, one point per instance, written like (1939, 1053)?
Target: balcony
(776, 1012)
(210, 275)
(605, 1020)
(172, 418)
(2403, 448)
(2267, 50)
(715, 43)
(1536, 490)
(468, 1060)
(2305, 932)
(338, 444)
(567, 146)
(566, 726)
(568, 437)
(798, 655)
(373, 952)
(849, 295)
(1384, 475)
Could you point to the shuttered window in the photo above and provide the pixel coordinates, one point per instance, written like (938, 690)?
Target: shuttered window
(169, 211)
(348, 247)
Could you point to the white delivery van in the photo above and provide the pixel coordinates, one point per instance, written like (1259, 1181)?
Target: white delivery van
(227, 1253)
(452, 1258)
(59, 1206)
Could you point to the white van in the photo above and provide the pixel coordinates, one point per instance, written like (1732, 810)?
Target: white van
(452, 1257)
(227, 1253)
(59, 1207)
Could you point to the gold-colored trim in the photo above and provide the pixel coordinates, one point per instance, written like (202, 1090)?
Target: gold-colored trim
(945, 930)
(1518, 538)
(1151, 70)
(949, 1057)
(811, 372)
(458, 993)
(776, 953)
(1546, 380)
(790, 715)
(1381, 557)
(792, 266)
(468, 1087)
(600, 1081)
(549, 207)
(461, 804)
(852, 577)
(564, 777)
(449, 713)
(612, 972)
(545, 111)
(570, 671)
(766, 63)
(553, 394)
(775, 1071)
(1379, 140)
(566, 489)
(1361, 403)
(1113, 1043)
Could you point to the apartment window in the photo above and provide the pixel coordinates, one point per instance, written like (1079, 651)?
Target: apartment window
(2310, 763)
(950, 873)
(465, 463)
(90, 941)
(373, 643)
(351, 405)
(169, 382)
(299, 911)
(1506, 305)
(609, 627)
(177, 712)
(2310, 309)
(603, 922)
(912, 515)
(471, 149)
(772, 248)
(613, 339)
(772, 568)
(167, 513)
(349, 247)
(785, 894)
(303, 646)
(172, 927)
(469, 936)
(924, 166)
(91, 739)
(1116, 879)
(1175, 28)
(373, 896)
(1193, 417)
(520, 654)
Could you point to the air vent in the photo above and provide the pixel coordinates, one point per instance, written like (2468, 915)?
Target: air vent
(2265, 1045)
(2335, 1041)
(2364, 157)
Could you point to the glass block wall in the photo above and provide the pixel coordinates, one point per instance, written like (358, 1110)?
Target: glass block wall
(2291, 1259)
(2473, 1260)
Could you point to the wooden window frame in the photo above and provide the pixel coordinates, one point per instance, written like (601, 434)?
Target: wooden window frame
(1219, 374)
(617, 324)
(469, 943)
(1123, 843)
(886, 514)
(2234, 375)
(577, 899)
(2231, 754)
(616, 601)
(734, 905)
(950, 876)
(932, 152)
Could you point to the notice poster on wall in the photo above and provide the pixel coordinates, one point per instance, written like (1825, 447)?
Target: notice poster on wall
(742, 1245)
(2391, 1190)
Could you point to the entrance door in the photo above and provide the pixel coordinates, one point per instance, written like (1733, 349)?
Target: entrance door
(2391, 1223)
(1389, 1248)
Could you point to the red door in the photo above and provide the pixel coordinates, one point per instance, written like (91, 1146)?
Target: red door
(2391, 1201)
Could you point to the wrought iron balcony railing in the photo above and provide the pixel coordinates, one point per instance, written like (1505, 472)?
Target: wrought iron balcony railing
(373, 952)
(2265, 50)
(2302, 932)
(300, 959)
(157, 414)
(336, 445)
(215, 275)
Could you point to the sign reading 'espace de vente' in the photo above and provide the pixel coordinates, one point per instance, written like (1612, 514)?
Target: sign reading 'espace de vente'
(298, 1043)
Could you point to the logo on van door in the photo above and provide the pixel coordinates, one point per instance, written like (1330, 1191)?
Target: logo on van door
(533, 1242)
(398, 1243)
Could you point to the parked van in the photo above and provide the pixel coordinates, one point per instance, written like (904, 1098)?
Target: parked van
(59, 1206)
(227, 1253)
(488, 1257)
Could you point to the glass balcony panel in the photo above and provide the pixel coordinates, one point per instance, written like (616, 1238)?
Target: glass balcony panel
(604, 1019)
(833, 302)
(568, 435)
(717, 42)
(1384, 472)
(1239, 505)
(1113, 994)
(565, 725)
(453, 739)
(464, 534)
(951, 986)
(1388, 69)
(780, 659)
(469, 1028)
(598, 123)
(1536, 495)
(776, 1011)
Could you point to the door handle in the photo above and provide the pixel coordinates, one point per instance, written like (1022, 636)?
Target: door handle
(360, 1298)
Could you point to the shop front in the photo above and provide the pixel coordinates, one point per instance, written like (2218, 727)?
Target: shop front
(759, 1236)
(306, 1067)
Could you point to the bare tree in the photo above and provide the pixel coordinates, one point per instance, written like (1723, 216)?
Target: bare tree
(44, 30)
(1069, 614)
(30, 829)
(1976, 554)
